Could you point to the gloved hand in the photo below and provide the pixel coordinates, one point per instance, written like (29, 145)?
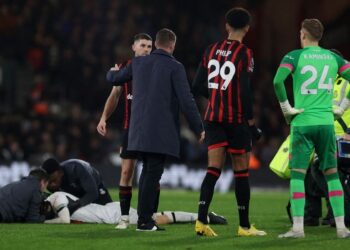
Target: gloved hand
(338, 112)
(255, 132)
(73, 205)
(289, 112)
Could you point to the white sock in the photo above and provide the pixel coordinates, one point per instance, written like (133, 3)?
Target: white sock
(298, 223)
(180, 217)
(339, 222)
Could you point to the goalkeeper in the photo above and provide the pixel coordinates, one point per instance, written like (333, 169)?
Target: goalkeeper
(314, 70)
(315, 185)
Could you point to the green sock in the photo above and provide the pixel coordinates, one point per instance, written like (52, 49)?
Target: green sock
(335, 193)
(297, 193)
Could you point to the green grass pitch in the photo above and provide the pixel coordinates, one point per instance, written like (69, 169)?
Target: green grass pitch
(267, 212)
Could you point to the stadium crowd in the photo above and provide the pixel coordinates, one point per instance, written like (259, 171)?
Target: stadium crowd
(54, 56)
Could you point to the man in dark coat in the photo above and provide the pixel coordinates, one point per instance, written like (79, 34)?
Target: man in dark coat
(20, 201)
(79, 178)
(160, 89)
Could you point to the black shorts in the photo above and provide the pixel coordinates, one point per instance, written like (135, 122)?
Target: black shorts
(124, 153)
(235, 137)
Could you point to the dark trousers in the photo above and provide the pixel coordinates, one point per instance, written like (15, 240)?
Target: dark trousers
(153, 167)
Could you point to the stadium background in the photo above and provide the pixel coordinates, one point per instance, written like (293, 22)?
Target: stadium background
(54, 55)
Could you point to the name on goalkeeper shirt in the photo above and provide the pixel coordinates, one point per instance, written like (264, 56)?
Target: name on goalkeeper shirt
(318, 56)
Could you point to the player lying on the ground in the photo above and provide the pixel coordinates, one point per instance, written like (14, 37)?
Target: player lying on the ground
(56, 208)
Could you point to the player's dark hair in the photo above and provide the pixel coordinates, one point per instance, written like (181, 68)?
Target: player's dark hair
(165, 37)
(314, 27)
(47, 210)
(238, 18)
(51, 165)
(140, 36)
(40, 173)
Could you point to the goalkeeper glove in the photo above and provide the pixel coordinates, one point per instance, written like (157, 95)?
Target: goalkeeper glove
(288, 111)
(337, 112)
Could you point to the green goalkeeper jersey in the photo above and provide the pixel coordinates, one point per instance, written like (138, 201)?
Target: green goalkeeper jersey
(314, 70)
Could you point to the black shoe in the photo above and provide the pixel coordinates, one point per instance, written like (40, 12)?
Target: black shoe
(311, 222)
(149, 227)
(216, 219)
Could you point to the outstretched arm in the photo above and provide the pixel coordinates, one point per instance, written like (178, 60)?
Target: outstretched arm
(109, 108)
(170, 217)
(118, 76)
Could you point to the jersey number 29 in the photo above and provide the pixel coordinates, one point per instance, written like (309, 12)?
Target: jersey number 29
(226, 71)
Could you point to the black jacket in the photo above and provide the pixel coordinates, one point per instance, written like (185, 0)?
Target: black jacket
(160, 89)
(20, 201)
(81, 180)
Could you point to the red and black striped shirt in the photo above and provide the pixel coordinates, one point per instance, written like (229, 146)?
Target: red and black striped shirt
(223, 77)
(127, 88)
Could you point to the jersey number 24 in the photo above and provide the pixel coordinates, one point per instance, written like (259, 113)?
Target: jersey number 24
(305, 90)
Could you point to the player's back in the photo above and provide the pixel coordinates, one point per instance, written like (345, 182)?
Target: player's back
(314, 71)
(96, 213)
(227, 62)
